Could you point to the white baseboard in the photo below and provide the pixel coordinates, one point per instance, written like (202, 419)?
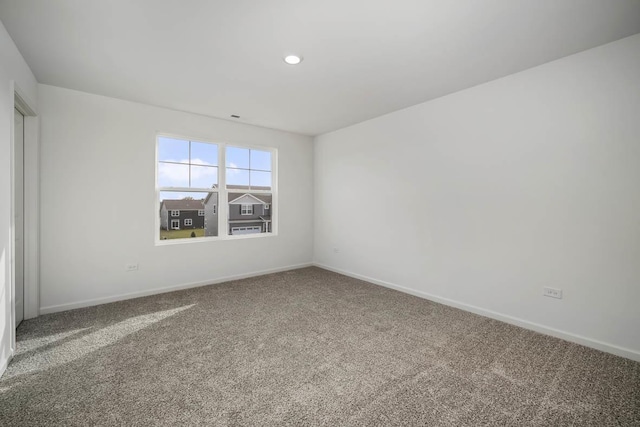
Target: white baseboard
(567, 336)
(121, 297)
(5, 363)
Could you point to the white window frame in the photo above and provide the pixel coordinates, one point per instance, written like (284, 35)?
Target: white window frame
(222, 212)
(175, 221)
(246, 209)
(188, 222)
(201, 212)
(175, 212)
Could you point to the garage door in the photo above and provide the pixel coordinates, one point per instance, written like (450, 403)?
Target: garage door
(246, 230)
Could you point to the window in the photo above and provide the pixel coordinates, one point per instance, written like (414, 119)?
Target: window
(198, 176)
(187, 177)
(250, 176)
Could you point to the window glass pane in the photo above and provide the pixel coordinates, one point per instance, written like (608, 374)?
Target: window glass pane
(173, 150)
(173, 175)
(248, 213)
(260, 179)
(204, 154)
(204, 176)
(237, 157)
(237, 177)
(261, 160)
(188, 224)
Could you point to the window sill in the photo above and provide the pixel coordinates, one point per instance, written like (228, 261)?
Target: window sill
(170, 242)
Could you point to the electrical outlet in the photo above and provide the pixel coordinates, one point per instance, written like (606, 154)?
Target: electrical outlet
(131, 267)
(551, 292)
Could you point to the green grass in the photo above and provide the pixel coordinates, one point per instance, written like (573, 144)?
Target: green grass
(180, 234)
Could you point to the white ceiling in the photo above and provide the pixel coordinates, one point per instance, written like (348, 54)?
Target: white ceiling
(362, 58)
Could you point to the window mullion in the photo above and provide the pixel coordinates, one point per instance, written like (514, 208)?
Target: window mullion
(223, 207)
(185, 189)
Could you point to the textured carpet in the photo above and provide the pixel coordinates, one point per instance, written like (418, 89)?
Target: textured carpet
(306, 347)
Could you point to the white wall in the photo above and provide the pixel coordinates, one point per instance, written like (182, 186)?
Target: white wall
(482, 197)
(98, 201)
(13, 70)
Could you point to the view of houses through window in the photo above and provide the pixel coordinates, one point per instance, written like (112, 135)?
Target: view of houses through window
(193, 182)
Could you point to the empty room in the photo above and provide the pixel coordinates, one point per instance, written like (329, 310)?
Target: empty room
(320, 213)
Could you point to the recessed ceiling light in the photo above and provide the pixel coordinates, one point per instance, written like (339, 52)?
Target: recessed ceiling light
(293, 59)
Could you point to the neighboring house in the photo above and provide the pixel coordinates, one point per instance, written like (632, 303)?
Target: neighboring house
(211, 215)
(181, 214)
(249, 213)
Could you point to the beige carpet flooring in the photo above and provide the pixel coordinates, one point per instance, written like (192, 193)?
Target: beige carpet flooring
(305, 347)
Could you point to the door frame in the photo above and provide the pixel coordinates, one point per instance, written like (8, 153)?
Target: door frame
(31, 211)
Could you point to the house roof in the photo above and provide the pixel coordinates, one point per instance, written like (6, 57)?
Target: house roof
(246, 198)
(264, 198)
(183, 205)
(234, 195)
